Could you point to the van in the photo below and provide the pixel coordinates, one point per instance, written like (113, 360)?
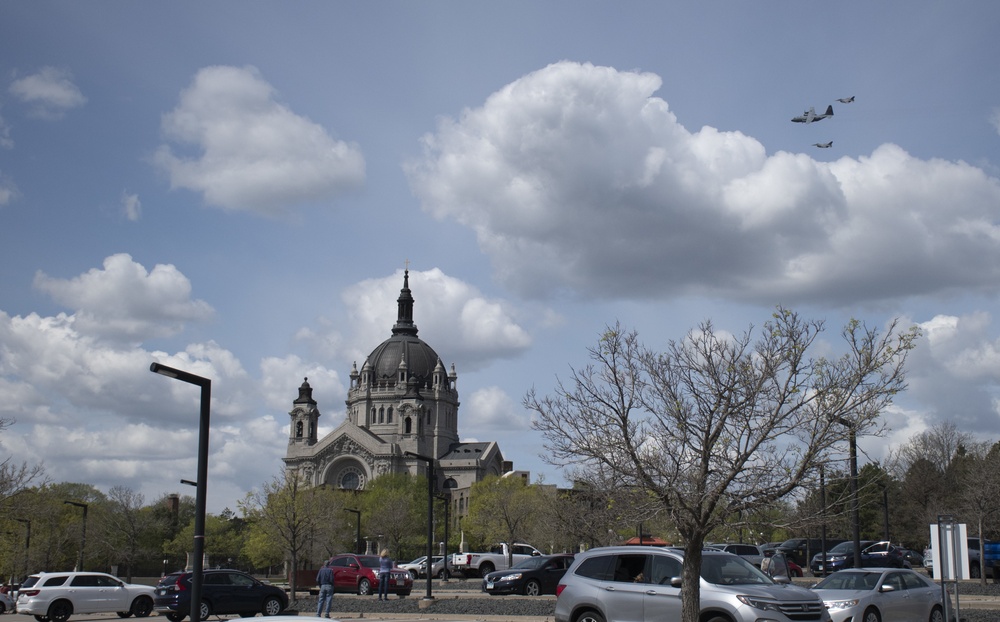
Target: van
(643, 583)
(801, 550)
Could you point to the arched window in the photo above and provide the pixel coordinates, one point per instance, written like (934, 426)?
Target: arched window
(407, 426)
(381, 415)
(389, 418)
(298, 429)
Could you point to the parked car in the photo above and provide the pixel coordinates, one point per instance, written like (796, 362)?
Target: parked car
(358, 574)
(531, 577)
(911, 558)
(222, 592)
(55, 596)
(6, 603)
(974, 556)
(644, 583)
(418, 567)
(839, 557)
(749, 552)
(801, 550)
(888, 595)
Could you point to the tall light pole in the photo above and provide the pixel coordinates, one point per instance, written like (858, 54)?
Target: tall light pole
(357, 539)
(83, 531)
(430, 515)
(447, 504)
(852, 445)
(27, 542)
(201, 482)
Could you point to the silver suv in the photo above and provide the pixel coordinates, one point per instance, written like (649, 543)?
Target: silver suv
(644, 583)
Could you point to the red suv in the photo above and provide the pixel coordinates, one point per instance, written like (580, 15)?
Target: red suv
(358, 574)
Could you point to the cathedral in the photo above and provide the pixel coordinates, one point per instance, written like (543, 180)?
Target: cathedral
(401, 403)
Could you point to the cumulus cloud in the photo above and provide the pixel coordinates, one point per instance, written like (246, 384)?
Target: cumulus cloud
(131, 206)
(122, 301)
(577, 177)
(455, 318)
(256, 154)
(50, 93)
(490, 409)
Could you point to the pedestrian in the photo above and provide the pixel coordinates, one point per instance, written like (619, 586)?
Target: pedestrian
(324, 579)
(384, 570)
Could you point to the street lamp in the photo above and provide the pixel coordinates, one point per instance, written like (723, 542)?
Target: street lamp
(447, 571)
(430, 515)
(357, 539)
(852, 440)
(201, 484)
(27, 542)
(83, 530)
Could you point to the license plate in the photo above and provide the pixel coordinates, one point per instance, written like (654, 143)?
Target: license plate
(489, 585)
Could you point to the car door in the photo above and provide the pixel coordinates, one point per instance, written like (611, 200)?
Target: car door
(218, 591)
(246, 597)
(553, 570)
(625, 592)
(113, 595)
(86, 596)
(661, 600)
(894, 604)
(345, 577)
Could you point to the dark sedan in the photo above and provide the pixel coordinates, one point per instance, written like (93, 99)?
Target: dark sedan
(531, 577)
(223, 592)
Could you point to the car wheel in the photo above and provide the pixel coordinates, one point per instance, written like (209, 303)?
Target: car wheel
(590, 616)
(413, 574)
(3, 608)
(444, 574)
(206, 610)
(974, 572)
(175, 617)
(937, 615)
(532, 588)
(486, 569)
(871, 615)
(60, 611)
(272, 606)
(141, 607)
(124, 614)
(364, 587)
(42, 619)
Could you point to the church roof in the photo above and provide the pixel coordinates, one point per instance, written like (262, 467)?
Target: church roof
(404, 347)
(466, 451)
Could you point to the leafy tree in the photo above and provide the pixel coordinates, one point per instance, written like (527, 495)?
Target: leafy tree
(394, 507)
(718, 425)
(502, 510)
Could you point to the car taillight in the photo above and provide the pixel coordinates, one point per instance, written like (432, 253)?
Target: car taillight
(559, 589)
(179, 586)
(28, 592)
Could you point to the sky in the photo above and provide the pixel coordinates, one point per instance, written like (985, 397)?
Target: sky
(235, 189)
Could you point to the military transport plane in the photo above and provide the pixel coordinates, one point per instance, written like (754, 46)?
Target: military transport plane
(810, 116)
(846, 100)
(823, 145)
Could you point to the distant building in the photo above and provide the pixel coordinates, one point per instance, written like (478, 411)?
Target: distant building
(401, 401)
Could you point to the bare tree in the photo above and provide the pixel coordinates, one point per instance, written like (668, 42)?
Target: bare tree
(719, 425)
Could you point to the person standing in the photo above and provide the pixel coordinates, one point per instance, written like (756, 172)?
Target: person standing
(384, 571)
(324, 579)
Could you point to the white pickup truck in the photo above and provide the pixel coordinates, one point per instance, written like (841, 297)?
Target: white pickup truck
(481, 564)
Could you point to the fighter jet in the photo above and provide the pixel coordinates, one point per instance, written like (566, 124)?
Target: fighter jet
(810, 116)
(846, 100)
(823, 145)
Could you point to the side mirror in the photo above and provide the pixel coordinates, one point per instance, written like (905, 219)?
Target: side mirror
(886, 588)
(675, 581)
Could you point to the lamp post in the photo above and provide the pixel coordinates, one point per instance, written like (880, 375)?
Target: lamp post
(357, 539)
(852, 444)
(201, 484)
(83, 531)
(447, 571)
(430, 515)
(27, 542)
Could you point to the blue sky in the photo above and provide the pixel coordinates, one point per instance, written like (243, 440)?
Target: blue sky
(234, 188)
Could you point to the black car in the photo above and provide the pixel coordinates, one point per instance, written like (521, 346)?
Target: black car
(223, 592)
(531, 577)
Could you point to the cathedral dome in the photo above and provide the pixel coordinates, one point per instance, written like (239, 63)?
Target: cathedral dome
(404, 350)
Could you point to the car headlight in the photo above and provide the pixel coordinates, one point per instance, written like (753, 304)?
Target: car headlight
(511, 577)
(759, 603)
(837, 605)
(838, 558)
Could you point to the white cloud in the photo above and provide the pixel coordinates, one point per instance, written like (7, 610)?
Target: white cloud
(50, 93)
(255, 153)
(124, 301)
(7, 190)
(577, 177)
(5, 140)
(452, 316)
(490, 409)
(131, 206)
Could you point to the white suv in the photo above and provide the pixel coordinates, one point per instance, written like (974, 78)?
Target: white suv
(644, 583)
(55, 596)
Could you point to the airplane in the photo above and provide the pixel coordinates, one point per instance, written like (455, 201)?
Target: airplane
(810, 116)
(846, 100)
(823, 145)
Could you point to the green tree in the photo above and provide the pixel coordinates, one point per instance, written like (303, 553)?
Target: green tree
(394, 507)
(718, 424)
(502, 510)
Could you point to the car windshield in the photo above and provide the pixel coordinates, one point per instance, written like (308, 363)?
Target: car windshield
(731, 570)
(848, 580)
(530, 563)
(419, 560)
(843, 547)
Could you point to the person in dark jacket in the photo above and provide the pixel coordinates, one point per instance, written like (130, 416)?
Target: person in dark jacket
(324, 579)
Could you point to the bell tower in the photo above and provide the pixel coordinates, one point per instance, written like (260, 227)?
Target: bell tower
(305, 416)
